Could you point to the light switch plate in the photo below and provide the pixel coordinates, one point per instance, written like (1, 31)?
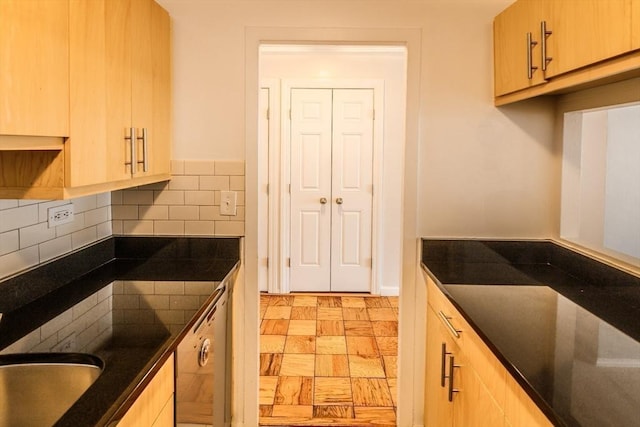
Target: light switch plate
(228, 203)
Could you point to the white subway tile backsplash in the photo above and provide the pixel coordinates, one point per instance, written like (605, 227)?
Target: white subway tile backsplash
(11, 219)
(200, 198)
(76, 225)
(199, 228)
(103, 200)
(168, 197)
(236, 183)
(97, 216)
(186, 182)
(184, 212)
(86, 203)
(199, 167)
(9, 242)
(212, 213)
(84, 237)
(124, 211)
(104, 230)
(8, 204)
(43, 208)
(229, 167)
(35, 234)
(55, 248)
(138, 197)
(214, 183)
(168, 228)
(177, 167)
(14, 262)
(116, 197)
(230, 228)
(153, 212)
(136, 228)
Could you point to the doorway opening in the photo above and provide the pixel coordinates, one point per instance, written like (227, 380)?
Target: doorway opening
(330, 163)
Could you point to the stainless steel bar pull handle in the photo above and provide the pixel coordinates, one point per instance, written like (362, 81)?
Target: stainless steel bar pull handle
(339, 200)
(544, 34)
(132, 140)
(446, 320)
(323, 200)
(144, 161)
(452, 390)
(443, 366)
(530, 45)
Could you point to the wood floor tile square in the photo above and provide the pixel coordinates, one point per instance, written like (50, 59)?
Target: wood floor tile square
(304, 313)
(263, 310)
(390, 366)
(305, 301)
(355, 313)
(267, 390)
(396, 311)
(264, 300)
(393, 389)
(330, 327)
(385, 328)
(293, 411)
(272, 343)
(388, 346)
(270, 364)
(394, 301)
(371, 392)
(327, 301)
(277, 312)
(366, 346)
(294, 391)
(331, 345)
(294, 365)
(332, 365)
(329, 313)
(376, 415)
(353, 302)
(300, 344)
(274, 327)
(332, 391)
(365, 366)
(302, 327)
(381, 302)
(333, 411)
(358, 328)
(379, 314)
(281, 300)
(265, 410)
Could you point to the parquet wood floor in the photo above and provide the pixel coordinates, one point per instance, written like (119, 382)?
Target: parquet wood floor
(328, 360)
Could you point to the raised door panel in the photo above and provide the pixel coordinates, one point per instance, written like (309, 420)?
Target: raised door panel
(118, 22)
(512, 54)
(586, 32)
(86, 148)
(160, 128)
(438, 411)
(34, 67)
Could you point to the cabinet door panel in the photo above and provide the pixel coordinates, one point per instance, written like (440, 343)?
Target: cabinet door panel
(586, 32)
(438, 410)
(510, 30)
(34, 67)
(635, 24)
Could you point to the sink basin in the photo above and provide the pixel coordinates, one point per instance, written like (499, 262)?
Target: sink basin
(36, 389)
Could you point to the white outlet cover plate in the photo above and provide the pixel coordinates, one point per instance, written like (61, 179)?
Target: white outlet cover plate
(59, 215)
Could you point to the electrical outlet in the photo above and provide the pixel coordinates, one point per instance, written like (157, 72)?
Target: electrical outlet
(60, 215)
(228, 202)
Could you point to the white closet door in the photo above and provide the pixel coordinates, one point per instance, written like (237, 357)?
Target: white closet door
(352, 190)
(311, 111)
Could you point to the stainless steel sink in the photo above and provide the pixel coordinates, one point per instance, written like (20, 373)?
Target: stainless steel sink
(36, 389)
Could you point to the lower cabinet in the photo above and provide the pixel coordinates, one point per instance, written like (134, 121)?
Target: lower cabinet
(465, 384)
(154, 407)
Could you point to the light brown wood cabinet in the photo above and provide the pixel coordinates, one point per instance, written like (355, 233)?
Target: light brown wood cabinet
(465, 383)
(635, 24)
(34, 68)
(548, 46)
(117, 61)
(154, 407)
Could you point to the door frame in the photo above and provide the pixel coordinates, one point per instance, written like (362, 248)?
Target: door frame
(279, 230)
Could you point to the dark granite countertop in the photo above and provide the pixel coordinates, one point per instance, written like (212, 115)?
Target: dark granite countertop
(566, 326)
(93, 289)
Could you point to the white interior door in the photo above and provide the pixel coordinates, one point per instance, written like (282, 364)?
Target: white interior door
(331, 189)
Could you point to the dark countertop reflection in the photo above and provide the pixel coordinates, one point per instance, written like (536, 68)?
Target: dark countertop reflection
(565, 325)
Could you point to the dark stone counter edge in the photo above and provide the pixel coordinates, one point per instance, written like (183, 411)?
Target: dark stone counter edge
(510, 258)
(26, 299)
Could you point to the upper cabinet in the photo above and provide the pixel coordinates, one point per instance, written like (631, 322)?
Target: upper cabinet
(549, 46)
(34, 68)
(117, 91)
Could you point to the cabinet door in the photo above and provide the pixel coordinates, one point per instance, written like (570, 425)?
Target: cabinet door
(586, 32)
(34, 67)
(438, 411)
(513, 56)
(160, 130)
(118, 54)
(473, 404)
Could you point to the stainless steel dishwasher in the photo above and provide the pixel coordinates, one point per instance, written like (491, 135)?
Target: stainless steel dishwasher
(201, 367)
